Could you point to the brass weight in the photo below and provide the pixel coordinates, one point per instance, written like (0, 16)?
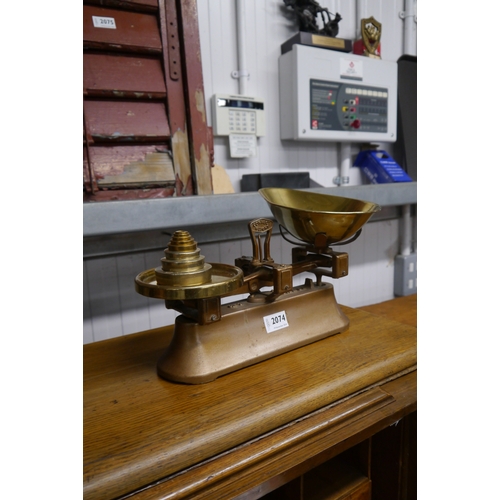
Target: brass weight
(184, 274)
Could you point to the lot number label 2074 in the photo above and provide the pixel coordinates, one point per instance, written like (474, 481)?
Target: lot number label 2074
(275, 321)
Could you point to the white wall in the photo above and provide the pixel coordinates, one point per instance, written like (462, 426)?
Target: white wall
(111, 307)
(266, 28)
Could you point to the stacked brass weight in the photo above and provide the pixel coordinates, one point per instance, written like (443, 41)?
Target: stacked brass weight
(184, 275)
(183, 264)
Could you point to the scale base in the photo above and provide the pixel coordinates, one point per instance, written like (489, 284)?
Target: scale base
(201, 353)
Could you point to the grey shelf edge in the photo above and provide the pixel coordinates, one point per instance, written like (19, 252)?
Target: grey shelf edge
(120, 217)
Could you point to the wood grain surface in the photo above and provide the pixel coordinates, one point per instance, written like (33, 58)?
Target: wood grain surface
(135, 31)
(278, 457)
(126, 121)
(401, 309)
(123, 76)
(139, 429)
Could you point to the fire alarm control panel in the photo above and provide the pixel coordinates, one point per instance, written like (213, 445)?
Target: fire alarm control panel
(327, 95)
(236, 114)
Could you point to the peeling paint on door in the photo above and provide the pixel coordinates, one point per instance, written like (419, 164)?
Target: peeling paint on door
(182, 162)
(155, 169)
(203, 171)
(200, 103)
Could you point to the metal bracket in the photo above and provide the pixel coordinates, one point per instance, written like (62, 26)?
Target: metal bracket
(339, 181)
(403, 15)
(172, 42)
(237, 74)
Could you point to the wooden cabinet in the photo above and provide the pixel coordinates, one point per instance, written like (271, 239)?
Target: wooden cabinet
(335, 419)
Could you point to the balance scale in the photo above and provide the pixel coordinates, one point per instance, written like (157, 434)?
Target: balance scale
(212, 339)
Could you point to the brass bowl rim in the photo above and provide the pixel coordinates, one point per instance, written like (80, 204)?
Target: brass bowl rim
(375, 207)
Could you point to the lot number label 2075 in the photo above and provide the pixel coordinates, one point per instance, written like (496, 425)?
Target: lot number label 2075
(104, 22)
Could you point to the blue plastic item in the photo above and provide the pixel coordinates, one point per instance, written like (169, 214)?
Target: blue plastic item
(380, 168)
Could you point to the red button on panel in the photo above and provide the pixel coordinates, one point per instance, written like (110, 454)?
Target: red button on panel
(356, 124)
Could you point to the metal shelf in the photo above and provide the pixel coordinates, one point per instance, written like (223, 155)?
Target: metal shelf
(119, 217)
(124, 227)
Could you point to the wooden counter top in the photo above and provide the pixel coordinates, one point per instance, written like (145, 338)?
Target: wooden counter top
(140, 429)
(401, 309)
